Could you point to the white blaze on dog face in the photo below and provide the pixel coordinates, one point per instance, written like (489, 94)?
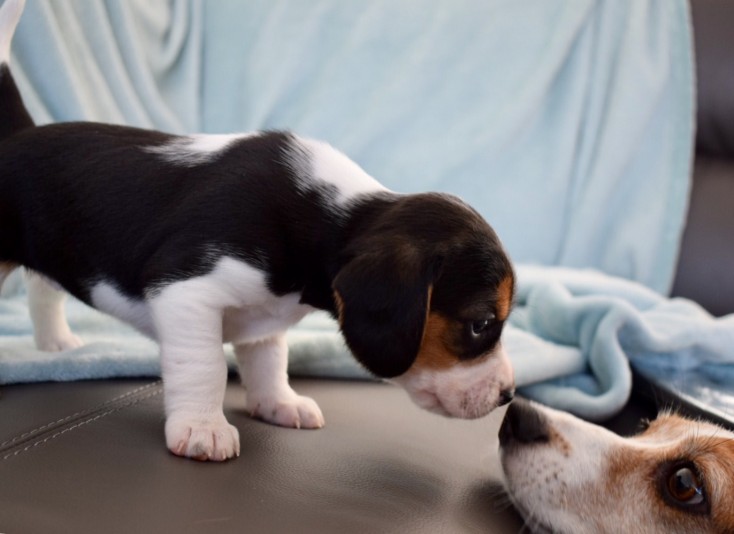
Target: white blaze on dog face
(678, 476)
(441, 383)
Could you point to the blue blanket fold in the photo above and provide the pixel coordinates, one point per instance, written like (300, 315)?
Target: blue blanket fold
(594, 326)
(568, 125)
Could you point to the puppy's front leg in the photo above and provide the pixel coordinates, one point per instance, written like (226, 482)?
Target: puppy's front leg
(189, 329)
(264, 371)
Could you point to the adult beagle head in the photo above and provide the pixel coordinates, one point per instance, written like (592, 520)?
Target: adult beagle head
(569, 476)
(422, 297)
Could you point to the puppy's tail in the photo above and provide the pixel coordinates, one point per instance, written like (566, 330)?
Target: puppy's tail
(13, 114)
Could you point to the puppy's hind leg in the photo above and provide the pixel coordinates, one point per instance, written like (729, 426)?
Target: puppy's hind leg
(46, 303)
(264, 371)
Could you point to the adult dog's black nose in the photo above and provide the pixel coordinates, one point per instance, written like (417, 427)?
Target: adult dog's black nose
(523, 424)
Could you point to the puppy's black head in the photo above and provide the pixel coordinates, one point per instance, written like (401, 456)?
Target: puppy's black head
(424, 292)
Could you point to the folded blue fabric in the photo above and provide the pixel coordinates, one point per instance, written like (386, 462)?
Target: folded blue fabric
(568, 125)
(577, 332)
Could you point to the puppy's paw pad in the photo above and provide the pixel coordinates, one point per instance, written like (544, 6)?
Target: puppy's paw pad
(295, 411)
(59, 342)
(202, 439)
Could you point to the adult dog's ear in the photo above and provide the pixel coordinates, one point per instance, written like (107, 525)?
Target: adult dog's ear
(382, 299)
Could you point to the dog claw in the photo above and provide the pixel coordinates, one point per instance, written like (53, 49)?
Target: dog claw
(294, 411)
(202, 439)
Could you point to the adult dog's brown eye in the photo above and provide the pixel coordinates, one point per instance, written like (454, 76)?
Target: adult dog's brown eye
(683, 488)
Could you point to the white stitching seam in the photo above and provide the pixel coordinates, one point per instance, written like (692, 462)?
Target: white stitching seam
(77, 414)
(82, 423)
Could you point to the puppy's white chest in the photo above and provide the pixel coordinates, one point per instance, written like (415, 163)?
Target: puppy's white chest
(250, 312)
(253, 323)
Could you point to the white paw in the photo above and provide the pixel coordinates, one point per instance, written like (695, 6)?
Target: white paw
(295, 411)
(59, 342)
(202, 438)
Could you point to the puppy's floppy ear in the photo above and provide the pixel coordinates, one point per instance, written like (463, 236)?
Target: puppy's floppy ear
(382, 298)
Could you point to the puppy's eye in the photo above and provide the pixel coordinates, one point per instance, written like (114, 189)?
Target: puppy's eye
(479, 326)
(684, 488)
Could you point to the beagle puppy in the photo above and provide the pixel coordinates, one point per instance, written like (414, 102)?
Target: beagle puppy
(568, 476)
(201, 240)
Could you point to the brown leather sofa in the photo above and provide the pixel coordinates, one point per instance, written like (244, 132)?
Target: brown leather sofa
(89, 457)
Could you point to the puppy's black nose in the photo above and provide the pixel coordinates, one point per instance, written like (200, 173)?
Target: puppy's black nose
(506, 396)
(523, 424)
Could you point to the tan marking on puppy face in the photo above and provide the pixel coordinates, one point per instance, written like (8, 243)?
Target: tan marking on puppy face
(339, 307)
(440, 382)
(428, 312)
(435, 352)
(504, 297)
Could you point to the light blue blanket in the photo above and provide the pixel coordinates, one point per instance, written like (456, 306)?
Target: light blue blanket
(567, 124)
(591, 326)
